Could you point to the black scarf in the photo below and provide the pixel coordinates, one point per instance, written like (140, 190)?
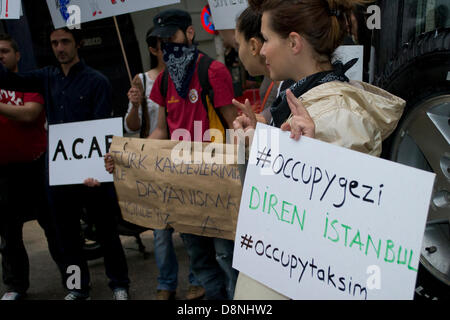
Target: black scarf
(180, 60)
(280, 109)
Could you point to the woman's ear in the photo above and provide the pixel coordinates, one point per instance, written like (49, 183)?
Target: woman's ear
(255, 46)
(295, 42)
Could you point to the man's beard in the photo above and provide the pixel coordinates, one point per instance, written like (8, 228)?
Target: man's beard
(65, 59)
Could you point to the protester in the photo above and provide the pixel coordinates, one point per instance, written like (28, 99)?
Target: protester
(75, 92)
(23, 141)
(142, 117)
(300, 38)
(181, 107)
(249, 42)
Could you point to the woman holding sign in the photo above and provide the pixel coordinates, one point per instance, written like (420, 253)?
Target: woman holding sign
(300, 39)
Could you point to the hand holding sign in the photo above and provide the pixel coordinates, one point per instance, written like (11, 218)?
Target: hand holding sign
(91, 182)
(300, 123)
(109, 163)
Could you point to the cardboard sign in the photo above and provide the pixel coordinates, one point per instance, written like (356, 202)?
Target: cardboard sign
(319, 221)
(10, 9)
(225, 12)
(76, 150)
(155, 190)
(74, 12)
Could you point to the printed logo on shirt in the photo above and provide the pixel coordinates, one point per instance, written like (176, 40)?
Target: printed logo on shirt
(193, 96)
(173, 100)
(9, 97)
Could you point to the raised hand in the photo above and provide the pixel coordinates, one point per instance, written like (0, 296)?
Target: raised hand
(245, 122)
(136, 92)
(300, 123)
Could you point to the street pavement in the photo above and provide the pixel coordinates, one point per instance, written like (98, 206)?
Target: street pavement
(45, 280)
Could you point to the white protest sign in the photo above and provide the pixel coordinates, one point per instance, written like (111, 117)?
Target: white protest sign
(90, 10)
(225, 12)
(318, 221)
(10, 9)
(76, 150)
(347, 53)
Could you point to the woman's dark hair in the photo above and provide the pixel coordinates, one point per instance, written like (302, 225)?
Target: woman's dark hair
(255, 4)
(323, 23)
(152, 42)
(249, 24)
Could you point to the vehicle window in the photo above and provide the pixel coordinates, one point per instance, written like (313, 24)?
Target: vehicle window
(430, 14)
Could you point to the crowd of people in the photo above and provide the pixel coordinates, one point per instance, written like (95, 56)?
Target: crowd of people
(289, 42)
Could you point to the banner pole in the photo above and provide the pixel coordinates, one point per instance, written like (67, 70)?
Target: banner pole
(123, 49)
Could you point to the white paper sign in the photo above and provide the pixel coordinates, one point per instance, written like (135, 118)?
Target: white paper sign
(76, 150)
(319, 221)
(225, 12)
(65, 13)
(10, 9)
(347, 53)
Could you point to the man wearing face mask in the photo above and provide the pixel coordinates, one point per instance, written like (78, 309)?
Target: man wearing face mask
(180, 108)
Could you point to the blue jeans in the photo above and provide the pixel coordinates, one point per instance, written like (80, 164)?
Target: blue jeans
(167, 263)
(211, 261)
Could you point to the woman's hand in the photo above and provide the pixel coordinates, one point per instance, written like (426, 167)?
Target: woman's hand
(109, 163)
(135, 96)
(247, 121)
(301, 122)
(136, 92)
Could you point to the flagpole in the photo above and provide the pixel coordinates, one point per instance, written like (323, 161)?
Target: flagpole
(123, 49)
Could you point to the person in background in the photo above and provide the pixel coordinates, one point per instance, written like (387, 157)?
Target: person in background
(142, 118)
(249, 42)
(296, 48)
(74, 92)
(23, 141)
(180, 107)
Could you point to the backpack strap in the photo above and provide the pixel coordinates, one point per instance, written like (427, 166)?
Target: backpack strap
(203, 77)
(163, 90)
(164, 83)
(207, 90)
(143, 133)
